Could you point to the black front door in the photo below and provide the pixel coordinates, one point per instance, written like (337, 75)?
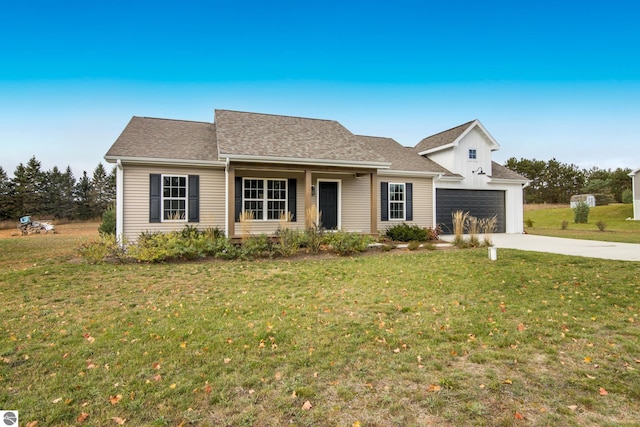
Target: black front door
(328, 204)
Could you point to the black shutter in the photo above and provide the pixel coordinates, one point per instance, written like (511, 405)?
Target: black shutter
(291, 198)
(384, 201)
(238, 197)
(155, 192)
(194, 198)
(409, 201)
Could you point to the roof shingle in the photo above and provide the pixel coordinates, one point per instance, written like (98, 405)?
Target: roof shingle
(442, 138)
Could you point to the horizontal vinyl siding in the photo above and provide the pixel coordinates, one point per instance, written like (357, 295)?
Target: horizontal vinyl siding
(356, 213)
(136, 199)
(422, 202)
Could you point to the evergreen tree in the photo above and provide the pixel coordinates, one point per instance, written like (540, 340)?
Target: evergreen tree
(85, 198)
(102, 196)
(28, 188)
(6, 203)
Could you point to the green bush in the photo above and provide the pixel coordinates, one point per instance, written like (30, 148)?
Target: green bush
(108, 225)
(312, 239)
(564, 224)
(413, 245)
(349, 243)
(581, 212)
(406, 233)
(627, 196)
(287, 242)
(602, 226)
(528, 223)
(105, 249)
(260, 246)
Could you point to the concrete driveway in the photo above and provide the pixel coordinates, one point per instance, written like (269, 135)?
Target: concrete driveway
(556, 245)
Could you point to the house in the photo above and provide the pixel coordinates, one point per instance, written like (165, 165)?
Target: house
(476, 184)
(635, 185)
(589, 199)
(274, 170)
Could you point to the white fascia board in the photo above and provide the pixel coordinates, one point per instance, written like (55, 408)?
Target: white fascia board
(508, 181)
(304, 161)
(169, 162)
(388, 172)
(439, 148)
(452, 178)
(495, 144)
(632, 174)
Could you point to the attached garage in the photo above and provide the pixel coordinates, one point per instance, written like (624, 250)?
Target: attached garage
(479, 203)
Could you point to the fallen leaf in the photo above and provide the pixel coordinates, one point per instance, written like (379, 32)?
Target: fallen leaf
(208, 389)
(397, 350)
(603, 392)
(518, 416)
(307, 406)
(89, 338)
(172, 386)
(227, 360)
(82, 417)
(183, 344)
(115, 399)
(356, 424)
(58, 400)
(573, 407)
(32, 424)
(588, 360)
(119, 421)
(507, 381)
(278, 376)
(155, 365)
(520, 329)
(433, 388)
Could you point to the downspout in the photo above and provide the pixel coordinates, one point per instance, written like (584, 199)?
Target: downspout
(433, 201)
(226, 198)
(119, 202)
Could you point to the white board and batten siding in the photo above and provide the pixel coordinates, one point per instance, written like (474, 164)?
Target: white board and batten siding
(136, 199)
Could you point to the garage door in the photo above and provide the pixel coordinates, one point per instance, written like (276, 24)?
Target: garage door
(479, 203)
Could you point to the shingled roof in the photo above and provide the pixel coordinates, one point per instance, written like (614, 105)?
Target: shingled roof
(286, 137)
(402, 158)
(501, 172)
(149, 138)
(442, 138)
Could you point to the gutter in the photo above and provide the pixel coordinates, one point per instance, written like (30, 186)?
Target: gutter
(305, 161)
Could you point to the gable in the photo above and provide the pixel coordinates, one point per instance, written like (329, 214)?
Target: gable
(451, 138)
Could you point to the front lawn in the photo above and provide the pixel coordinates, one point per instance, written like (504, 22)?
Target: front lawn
(399, 338)
(548, 222)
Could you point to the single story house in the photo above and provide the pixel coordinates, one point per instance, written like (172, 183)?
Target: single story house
(273, 170)
(635, 185)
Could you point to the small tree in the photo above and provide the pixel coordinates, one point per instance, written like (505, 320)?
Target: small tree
(108, 225)
(581, 213)
(627, 196)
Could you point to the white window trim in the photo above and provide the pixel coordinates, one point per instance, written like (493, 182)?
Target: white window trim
(264, 199)
(475, 150)
(404, 201)
(186, 198)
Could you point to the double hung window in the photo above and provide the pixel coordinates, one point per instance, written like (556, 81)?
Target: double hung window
(174, 198)
(264, 198)
(396, 201)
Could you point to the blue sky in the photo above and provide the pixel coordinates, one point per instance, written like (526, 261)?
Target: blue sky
(547, 79)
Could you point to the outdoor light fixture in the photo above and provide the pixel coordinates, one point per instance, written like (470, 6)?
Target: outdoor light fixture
(479, 171)
(313, 190)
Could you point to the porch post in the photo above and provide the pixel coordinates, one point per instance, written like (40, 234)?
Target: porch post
(307, 195)
(374, 203)
(231, 206)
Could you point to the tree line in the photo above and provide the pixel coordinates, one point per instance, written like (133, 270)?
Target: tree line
(55, 193)
(555, 182)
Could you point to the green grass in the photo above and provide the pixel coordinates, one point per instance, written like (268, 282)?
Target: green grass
(547, 222)
(412, 338)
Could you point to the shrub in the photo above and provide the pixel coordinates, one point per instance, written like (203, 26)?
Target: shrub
(151, 247)
(406, 233)
(287, 242)
(413, 245)
(627, 196)
(256, 247)
(349, 243)
(602, 226)
(105, 249)
(108, 225)
(581, 213)
(564, 224)
(312, 239)
(528, 223)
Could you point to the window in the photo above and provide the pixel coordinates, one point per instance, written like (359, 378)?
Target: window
(396, 201)
(473, 154)
(269, 204)
(174, 198)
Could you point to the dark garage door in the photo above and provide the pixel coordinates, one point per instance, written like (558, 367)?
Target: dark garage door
(479, 203)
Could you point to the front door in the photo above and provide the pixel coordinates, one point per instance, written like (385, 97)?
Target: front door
(328, 204)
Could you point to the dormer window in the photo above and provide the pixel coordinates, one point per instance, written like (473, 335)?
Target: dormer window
(473, 154)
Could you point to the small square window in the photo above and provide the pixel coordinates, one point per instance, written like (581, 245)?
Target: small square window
(473, 154)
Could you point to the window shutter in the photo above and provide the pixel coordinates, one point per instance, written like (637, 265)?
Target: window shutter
(291, 198)
(409, 201)
(194, 198)
(384, 201)
(155, 191)
(238, 198)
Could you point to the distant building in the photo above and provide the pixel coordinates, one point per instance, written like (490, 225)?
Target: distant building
(589, 199)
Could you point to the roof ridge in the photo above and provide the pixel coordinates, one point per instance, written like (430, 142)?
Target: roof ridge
(450, 129)
(173, 120)
(279, 115)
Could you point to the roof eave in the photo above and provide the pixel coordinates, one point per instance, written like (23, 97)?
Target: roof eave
(508, 181)
(389, 172)
(162, 161)
(439, 148)
(304, 161)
